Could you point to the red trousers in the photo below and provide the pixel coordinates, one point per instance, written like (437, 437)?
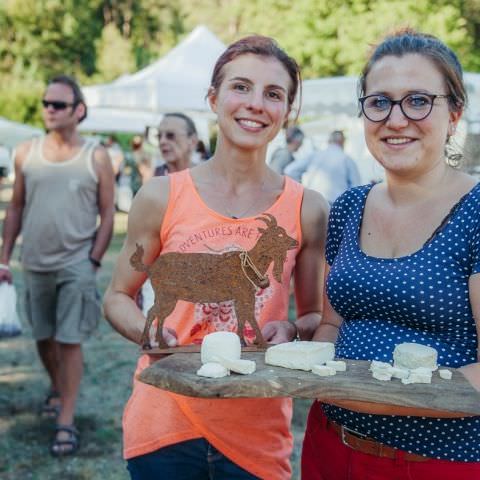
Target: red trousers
(325, 457)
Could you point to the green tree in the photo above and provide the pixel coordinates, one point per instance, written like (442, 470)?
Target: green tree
(114, 54)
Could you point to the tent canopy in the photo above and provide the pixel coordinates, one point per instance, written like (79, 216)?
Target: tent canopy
(178, 81)
(12, 133)
(118, 120)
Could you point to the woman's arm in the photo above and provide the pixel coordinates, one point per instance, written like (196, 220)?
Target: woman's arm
(328, 329)
(472, 371)
(308, 274)
(310, 264)
(144, 224)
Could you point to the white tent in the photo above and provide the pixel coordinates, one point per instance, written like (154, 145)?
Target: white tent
(178, 81)
(12, 133)
(118, 120)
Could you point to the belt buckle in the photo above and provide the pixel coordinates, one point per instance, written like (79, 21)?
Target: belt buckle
(344, 429)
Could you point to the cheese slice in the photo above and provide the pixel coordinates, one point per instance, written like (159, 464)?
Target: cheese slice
(323, 370)
(376, 365)
(337, 365)
(414, 355)
(383, 375)
(224, 344)
(445, 374)
(212, 370)
(245, 367)
(300, 355)
(397, 372)
(418, 377)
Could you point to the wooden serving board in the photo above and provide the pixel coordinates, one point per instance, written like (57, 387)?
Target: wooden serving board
(177, 373)
(193, 349)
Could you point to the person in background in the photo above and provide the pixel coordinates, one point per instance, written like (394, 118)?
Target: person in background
(331, 171)
(4, 163)
(283, 156)
(201, 153)
(139, 163)
(404, 261)
(63, 184)
(177, 140)
(219, 202)
(116, 155)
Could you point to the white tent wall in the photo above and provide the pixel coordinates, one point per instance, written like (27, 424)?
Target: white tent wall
(178, 81)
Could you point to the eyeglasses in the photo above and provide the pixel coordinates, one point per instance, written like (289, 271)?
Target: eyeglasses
(168, 135)
(172, 136)
(415, 106)
(57, 104)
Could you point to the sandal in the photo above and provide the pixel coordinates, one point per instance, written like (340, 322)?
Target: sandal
(50, 410)
(69, 446)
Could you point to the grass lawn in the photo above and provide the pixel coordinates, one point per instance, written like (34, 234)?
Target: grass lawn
(109, 364)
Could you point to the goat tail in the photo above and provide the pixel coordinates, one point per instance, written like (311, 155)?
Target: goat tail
(136, 260)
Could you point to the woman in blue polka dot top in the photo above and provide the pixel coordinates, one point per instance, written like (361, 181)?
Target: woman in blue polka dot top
(404, 266)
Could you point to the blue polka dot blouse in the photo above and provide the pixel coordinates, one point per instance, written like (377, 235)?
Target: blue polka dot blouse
(422, 297)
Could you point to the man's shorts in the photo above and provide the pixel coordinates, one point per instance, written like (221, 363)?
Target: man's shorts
(63, 304)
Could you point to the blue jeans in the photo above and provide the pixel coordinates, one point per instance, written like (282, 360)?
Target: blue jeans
(191, 460)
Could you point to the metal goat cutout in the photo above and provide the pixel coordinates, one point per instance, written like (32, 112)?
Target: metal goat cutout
(214, 278)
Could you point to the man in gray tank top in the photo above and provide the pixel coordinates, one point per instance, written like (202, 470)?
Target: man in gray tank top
(63, 184)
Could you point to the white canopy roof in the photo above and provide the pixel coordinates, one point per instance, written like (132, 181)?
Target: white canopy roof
(12, 133)
(178, 81)
(118, 120)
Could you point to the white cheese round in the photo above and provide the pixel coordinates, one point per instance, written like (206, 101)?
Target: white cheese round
(414, 355)
(224, 344)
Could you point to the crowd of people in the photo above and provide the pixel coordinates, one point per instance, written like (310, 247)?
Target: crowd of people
(373, 265)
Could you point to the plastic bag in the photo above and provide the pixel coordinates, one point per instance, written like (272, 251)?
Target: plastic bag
(9, 322)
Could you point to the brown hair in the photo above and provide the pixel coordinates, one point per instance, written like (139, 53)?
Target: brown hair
(265, 47)
(408, 41)
(76, 90)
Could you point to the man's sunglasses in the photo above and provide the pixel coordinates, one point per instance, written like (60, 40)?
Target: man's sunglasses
(57, 104)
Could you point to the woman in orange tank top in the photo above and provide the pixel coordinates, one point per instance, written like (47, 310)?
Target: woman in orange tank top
(224, 204)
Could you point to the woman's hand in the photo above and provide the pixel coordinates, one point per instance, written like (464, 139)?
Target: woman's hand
(472, 373)
(5, 274)
(279, 331)
(170, 336)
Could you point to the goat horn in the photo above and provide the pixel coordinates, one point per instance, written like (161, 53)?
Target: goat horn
(270, 220)
(266, 220)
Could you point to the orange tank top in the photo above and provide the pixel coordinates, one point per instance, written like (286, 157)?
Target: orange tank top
(253, 433)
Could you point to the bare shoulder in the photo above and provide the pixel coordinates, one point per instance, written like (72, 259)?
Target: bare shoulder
(21, 152)
(149, 205)
(314, 216)
(314, 207)
(100, 156)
